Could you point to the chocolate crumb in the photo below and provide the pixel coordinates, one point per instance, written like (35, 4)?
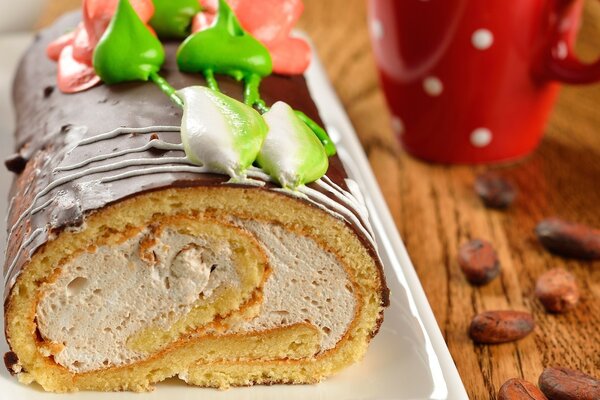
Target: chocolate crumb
(155, 150)
(65, 128)
(10, 360)
(15, 163)
(48, 90)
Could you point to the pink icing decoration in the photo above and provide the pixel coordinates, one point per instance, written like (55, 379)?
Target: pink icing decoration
(54, 49)
(271, 22)
(74, 76)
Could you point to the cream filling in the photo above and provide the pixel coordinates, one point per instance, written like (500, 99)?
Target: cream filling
(92, 310)
(102, 298)
(308, 284)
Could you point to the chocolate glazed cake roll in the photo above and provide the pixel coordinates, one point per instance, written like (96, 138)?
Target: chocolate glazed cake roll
(127, 264)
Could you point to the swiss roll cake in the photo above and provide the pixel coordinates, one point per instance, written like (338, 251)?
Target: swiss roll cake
(196, 235)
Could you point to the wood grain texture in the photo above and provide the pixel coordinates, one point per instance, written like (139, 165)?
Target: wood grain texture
(436, 209)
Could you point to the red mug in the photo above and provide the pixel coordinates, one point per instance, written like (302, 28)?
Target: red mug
(473, 81)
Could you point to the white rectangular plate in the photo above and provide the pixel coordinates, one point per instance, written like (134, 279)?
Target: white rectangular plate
(407, 360)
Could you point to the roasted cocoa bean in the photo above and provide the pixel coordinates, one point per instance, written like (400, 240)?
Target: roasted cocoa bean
(559, 383)
(494, 190)
(557, 290)
(493, 327)
(519, 389)
(478, 261)
(569, 239)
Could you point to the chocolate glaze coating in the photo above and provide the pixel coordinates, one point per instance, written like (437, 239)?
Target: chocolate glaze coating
(49, 123)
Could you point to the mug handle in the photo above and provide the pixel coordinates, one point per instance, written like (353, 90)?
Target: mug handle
(562, 64)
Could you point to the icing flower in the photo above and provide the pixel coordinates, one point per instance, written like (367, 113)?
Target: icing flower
(271, 22)
(291, 154)
(74, 50)
(219, 132)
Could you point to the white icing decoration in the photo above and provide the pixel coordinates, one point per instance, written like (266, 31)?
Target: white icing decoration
(481, 137)
(291, 153)
(206, 133)
(433, 86)
(220, 132)
(482, 39)
(281, 147)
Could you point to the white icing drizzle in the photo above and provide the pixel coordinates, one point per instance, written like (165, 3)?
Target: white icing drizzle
(25, 243)
(353, 199)
(90, 171)
(244, 180)
(342, 212)
(153, 144)
(340, 193)
(258, 173)
(154, 170)
(254, 177)
(345, 212)
(122, 131)
(357, 193)
(11, 203)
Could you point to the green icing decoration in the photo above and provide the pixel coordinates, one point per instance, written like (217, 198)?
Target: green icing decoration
(172, 19)
(211, 81)
(252, 93)
(319, 132)
(127, 51)
(166, 88)
(291, 153)
(224, 48)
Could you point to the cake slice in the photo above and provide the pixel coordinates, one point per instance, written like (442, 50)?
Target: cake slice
(127, 264)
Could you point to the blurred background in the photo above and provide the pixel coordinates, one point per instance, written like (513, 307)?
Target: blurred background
(434, 206)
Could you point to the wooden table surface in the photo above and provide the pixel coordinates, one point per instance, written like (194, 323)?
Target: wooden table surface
(435, 208)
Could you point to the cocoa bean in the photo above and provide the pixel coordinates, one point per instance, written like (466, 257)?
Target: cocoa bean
(519, 389)
(494, 190)
(557, 290)
(569, 239)
(493, 327)
(559, 383)
(478, 261)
